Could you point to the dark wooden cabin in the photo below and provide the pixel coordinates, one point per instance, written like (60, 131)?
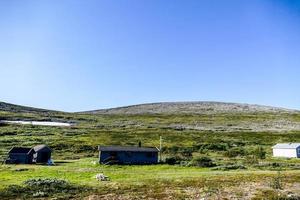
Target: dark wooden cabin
(127, 155)
(20, 155)
(42, 154)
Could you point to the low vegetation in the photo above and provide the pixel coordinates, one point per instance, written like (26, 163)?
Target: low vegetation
(43, 188)
(197, 162)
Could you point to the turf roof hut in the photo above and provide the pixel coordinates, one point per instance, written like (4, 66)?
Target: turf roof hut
(42, 154)
(20, 155)
(127, 155)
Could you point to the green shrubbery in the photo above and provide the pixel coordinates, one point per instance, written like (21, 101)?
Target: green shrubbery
(212, 146)
(202, 161)
(234, 152)
(259, 152)
(230, 167)
(277, 181)
(172, 160)
(47, 187)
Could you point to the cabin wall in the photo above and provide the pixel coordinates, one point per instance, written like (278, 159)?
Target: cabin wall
(21, 158)
(42, 156)
(130, 157)
(288, 153)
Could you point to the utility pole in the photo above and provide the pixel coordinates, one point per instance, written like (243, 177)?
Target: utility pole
(160, 146)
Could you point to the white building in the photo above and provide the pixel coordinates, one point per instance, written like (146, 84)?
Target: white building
(287, 150)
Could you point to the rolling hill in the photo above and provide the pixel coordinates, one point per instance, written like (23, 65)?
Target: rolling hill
(18, 108)
(197, 107)
(191, 108)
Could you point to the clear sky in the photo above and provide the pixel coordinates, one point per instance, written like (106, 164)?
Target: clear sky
(76, 55)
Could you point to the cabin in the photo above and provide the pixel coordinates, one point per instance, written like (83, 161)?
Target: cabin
(287, 150)
(20, 155)
(23, 155)
(42, 154)
(128, 155)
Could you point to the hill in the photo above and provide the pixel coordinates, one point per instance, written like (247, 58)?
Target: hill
(21, 109)
(190, 108)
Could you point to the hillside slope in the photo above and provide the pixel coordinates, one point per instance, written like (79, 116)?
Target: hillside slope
(191, 108)
(21, 109)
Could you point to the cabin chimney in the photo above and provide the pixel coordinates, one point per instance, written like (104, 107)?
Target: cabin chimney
(140, 144)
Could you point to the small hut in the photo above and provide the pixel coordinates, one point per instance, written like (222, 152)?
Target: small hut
(287, 150)
(42, 154)
(128, 155)
(20, 155)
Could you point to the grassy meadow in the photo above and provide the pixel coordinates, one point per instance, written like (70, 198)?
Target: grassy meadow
(210, 164)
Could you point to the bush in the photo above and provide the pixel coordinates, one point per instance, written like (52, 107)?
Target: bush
(234, 152)
(251, 159)
(277, 182)
(211, 146)
(173, 160)
(12, 191)
(48, 182)
(259, 152)
(41, 188)
(202, 161)
(230, 167)
(184, 151)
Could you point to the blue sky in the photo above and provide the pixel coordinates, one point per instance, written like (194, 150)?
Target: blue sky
(75, 55)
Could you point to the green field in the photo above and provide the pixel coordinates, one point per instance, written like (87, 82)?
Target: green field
(241, 167)
(156, 181)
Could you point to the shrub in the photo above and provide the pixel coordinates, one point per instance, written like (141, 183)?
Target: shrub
(230, 167)
(173, 160)
(202, 161)
(12, 191)
(251, 159)
(234, 152)
(48, 182)
(48, 186)
(259, 152)
(171, 150)
(277, 182)
(211, 146)
(41, 188)
(186, 152)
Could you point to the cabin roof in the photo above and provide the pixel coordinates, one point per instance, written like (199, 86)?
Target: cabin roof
(286, 146)
(22, 150)
(128, 148)
(41, 147)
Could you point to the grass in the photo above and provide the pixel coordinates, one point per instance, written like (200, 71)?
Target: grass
(75, 150)
(130, 179)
